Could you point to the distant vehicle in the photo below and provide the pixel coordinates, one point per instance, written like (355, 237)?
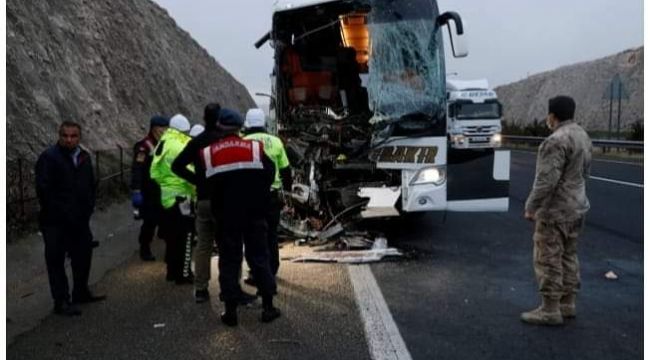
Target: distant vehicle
(359, 96)
(473, 115)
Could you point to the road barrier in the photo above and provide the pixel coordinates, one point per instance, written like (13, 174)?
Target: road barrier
(22, 205)
(602, 143)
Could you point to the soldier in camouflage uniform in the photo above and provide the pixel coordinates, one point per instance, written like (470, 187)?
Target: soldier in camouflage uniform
(558, 204)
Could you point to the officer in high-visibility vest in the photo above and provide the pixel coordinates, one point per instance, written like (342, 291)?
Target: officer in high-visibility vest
(177, 196)
(255, 129)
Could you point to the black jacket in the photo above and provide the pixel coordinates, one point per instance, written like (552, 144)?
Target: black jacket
(191, 155)
(65, 192)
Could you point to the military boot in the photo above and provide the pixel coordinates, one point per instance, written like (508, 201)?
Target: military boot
(546, 314)
(568, 306)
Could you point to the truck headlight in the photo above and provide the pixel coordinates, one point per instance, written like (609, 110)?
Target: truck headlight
(496, 138)
(458, 139)
(430, 175)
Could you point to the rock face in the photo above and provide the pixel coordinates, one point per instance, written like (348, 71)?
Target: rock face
(588, 83)
(109, 65)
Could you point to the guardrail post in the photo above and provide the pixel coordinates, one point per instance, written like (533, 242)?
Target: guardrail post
(121, 164)
(21, 188)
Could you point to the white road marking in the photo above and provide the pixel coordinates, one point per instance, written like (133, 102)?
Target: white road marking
(617, 181)
(382, 334)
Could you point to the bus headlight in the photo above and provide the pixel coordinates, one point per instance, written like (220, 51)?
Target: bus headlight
(430, 175)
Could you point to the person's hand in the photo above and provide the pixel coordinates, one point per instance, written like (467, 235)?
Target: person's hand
(529, 216)
(136, 199)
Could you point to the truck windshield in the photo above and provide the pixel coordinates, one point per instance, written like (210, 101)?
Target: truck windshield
(406, 79)
(478, 111)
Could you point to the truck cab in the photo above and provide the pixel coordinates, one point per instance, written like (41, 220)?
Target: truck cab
(473, 115)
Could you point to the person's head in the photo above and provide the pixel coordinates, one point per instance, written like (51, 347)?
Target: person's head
(211, 115)
(560, 108)
(157, 126)
(69, 134)
(229, 121)
(255, 119)
(180, 123)
(196, 130)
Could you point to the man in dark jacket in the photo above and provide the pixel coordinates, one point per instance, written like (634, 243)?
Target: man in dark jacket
(239, 176)
(205, 223)
(145, 193)
(65, 186)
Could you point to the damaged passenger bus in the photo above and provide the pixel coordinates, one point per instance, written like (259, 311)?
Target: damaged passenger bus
(359, 98)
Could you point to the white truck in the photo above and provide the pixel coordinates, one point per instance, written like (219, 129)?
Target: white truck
(360, 100)
(473, 115)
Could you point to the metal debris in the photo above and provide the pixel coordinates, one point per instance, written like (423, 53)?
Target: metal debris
(377, 252)
(159, 325)
(610, 275)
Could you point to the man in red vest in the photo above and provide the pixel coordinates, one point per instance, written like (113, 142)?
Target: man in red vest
(239, 176)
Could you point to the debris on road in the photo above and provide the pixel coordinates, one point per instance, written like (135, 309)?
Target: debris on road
(159, 325)
(376, 252)
(610, 275)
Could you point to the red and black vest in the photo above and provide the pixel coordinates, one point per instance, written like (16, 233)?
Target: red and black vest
(239, 176)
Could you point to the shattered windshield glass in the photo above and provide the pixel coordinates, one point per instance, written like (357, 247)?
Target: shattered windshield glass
(478, 111)
(406, 67)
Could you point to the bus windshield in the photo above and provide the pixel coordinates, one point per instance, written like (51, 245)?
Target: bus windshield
(406, 63)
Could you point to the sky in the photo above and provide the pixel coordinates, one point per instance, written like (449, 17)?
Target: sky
(508, 40)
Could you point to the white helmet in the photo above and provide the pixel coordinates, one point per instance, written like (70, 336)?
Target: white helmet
(196, 130)
(180, 123)
(255, 118)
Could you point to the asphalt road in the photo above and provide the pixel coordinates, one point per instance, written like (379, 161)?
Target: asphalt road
(461, 298)
(457, 296)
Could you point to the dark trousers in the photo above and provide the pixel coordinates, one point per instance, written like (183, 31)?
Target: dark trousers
(178, 231)
(147, 231)
(150, 212)
(75, 241)
(273, 221)
(231, 239)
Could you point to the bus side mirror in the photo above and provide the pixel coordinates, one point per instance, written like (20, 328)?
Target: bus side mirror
(456, 37)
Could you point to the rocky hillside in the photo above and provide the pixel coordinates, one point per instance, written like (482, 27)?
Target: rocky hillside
(109, 65)
(588, 84)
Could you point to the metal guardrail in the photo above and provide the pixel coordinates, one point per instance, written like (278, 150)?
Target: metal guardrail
(621, 144)
(110, 173)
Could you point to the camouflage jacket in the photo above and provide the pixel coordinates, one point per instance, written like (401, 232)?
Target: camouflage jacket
(563, 166)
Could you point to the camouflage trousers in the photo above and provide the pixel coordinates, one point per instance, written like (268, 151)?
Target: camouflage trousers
(555, 257)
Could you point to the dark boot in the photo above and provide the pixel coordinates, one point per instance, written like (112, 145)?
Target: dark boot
(229, 317)
(201, 296)
(269, 312)
(145, 253)
(65, 308)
